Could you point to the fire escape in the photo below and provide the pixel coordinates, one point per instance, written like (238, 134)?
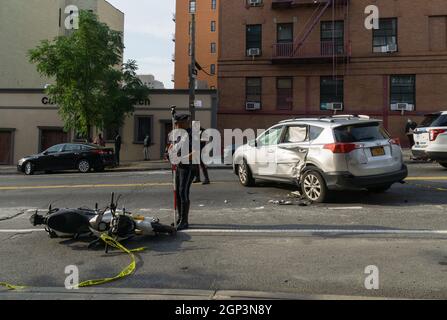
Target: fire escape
(333, 49)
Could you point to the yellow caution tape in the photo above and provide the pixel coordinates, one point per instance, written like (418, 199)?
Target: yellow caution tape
(124, 273)
(11, 287)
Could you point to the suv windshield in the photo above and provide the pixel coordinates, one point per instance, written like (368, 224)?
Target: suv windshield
(434, 120)
(360, 132)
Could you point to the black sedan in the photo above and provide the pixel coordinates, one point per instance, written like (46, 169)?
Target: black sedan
(69, 156)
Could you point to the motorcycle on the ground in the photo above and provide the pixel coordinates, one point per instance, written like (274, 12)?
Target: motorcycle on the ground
(118, 224)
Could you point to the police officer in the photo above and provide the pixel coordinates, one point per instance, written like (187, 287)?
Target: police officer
(181, 151)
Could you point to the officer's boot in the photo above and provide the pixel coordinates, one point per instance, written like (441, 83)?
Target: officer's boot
(179, 216)
(184, 224)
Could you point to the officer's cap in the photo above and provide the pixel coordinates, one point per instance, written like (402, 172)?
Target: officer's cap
(181, 117)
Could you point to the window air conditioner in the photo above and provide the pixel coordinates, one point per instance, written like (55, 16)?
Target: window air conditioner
(252, 106)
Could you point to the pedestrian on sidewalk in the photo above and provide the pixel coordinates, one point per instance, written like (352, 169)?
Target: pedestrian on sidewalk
(118, 143)
(100, 141)
(147, 143)
(186, 171)
(202, 164)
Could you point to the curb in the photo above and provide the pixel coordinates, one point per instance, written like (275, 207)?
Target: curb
(163, 294)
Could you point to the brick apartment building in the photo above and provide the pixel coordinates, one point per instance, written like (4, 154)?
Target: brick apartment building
(287, 58)
(207, 20)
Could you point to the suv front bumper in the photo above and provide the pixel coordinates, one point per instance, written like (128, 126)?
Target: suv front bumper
(345, 180)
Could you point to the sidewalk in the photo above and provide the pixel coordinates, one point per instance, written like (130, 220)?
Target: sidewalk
(161, 294)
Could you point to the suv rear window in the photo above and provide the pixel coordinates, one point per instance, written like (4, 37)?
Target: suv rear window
(434, 120)
(360, 132)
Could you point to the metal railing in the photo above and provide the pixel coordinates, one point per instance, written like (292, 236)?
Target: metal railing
(321, 49)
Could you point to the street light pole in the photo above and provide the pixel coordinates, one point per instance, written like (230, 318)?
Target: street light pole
(192, 66)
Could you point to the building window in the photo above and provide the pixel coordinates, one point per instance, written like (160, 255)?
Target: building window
(385, 38)
(402, 90)
(284, 32)
(213, 26)
(284, 93)
(143, 127)
(332, 37)
(213, 4)
(331, 91)
(253, 90)
(213, 69)
(254, 36)
(213, 47)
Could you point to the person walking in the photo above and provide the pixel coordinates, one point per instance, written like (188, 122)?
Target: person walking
(147, 144)
(118, 143)
(409, 131)
(186, 171)
(202, 164)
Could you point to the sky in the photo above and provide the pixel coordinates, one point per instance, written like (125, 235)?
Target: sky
(148, 36)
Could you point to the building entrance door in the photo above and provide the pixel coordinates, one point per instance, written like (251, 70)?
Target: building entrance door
(51, 137)
(5, 147)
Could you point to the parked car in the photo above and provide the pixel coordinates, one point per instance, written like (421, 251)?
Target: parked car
(68, 156)
(323, 154)
(430, 138)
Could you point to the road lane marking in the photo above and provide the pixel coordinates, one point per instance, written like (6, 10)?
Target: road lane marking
(317, 231)
(345, 208)
(426, 178)
(20, 230)
(283, 231)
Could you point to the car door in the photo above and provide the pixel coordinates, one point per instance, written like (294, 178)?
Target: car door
(68, 158)
(265, 152)
(292, 151)
(48, 160)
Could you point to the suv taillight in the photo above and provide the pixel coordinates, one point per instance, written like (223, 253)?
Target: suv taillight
(434, 133)
(340, 147)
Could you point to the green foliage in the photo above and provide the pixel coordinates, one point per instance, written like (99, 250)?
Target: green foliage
(90, 86)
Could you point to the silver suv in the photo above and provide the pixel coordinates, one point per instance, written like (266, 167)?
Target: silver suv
(322, 154)
(430, 138)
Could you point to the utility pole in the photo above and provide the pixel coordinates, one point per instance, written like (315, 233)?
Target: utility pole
(192, 66)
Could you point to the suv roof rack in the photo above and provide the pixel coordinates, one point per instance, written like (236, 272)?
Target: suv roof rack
(330, 118)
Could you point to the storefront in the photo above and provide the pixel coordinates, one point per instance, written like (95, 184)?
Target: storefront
(30, 123)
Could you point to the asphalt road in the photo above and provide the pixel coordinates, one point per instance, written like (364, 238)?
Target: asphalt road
(238, 240)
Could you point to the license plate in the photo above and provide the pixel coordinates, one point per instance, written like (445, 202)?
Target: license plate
(378, 151)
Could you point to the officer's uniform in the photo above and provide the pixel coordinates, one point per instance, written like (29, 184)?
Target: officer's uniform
(185, 174)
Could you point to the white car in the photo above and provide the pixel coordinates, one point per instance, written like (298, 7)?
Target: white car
(430, 138)
(323, 154)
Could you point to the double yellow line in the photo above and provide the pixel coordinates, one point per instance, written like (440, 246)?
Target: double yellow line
(155, 184)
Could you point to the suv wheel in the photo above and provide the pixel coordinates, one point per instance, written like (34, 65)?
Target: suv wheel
(314, 187)
(84, 166)
(245, 176)
(29, 169)
(444, 164)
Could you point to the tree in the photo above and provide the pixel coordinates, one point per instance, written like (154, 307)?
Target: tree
(90, 86)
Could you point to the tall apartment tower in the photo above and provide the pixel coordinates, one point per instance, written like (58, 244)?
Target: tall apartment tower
(25, 23)
(206, 43)
(300, 58)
